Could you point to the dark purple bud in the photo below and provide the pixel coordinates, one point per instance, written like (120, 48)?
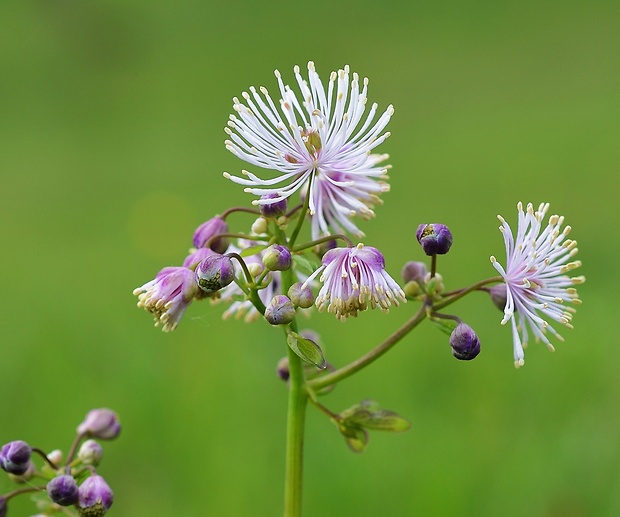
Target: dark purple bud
(15, 457)
(414, 272)
(100, 423)
(464, 342)
(283, 369)
(94, 497)
(210, 229)
(90, 453)
(3, 507)
(275, 209)
(301, 296)
(214, 273)
(498, 296)
(63, 490)
(280, 311)
(435, 239)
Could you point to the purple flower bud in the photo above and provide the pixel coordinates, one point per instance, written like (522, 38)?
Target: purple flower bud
(15, 457)
(95, 496)
(272, 210)
(301, 296)
(192, 260)
(214, 273)
(100, 423)
(210, 229)
(277, 258)
(283, 369)
(499, 296)
(464, 342)
(90, 453)
(63, 490)
(3, 507)
(435, 239)
(280, 311)
(414, 272)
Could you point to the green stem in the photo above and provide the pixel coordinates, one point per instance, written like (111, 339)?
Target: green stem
(297, 402)
(374, 354)
(327, 238)
(459, 294)
(302, 215)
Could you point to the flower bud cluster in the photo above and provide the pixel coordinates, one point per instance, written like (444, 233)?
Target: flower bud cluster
(72, 483)
(203, 273)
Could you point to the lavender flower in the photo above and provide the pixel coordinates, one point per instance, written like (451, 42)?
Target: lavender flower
(322, 138)
(208, 231)
(100, 423)
(535, 276)
(168, 295)
(95, 496)
(354, 279)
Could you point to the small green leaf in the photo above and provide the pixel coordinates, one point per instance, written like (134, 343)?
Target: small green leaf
(307, 349)
(253, 250)
(445, 325)
(303, 264)
(369, 415)
(383, 420)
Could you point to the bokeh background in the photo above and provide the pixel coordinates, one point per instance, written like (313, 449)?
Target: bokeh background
(111, 153)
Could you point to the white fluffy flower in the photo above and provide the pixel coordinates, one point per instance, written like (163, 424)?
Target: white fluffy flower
(323, 141)
(537, 286)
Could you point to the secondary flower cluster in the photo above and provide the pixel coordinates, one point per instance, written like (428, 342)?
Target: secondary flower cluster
(73, 482)
(536, 284)
(248, 276)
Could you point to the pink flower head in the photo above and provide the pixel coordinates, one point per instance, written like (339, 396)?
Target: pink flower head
(537, 286)
(355, 279)
(168, 295)
(323, 136)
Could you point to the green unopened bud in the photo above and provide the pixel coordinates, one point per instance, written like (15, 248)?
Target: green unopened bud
(277, 258)
(434, 285)
(280, 310)
(259, 227)
(301, 296)
(91, 453)
(413, 289)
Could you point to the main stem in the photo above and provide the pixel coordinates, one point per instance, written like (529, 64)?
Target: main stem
(297, 402)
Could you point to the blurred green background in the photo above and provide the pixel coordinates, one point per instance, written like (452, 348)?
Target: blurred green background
(111, 153)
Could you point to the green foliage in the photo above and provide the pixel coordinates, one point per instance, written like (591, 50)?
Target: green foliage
(354, 421)
(307, 349)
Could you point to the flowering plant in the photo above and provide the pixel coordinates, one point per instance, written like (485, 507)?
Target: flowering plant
(72, 485)
(321, 143)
